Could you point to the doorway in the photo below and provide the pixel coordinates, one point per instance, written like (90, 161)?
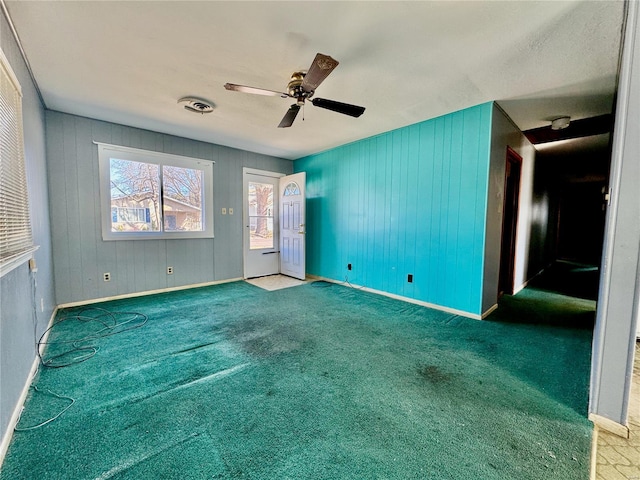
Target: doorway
(513, 170)
(274, 224)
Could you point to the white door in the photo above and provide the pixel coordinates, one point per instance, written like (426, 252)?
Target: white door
(260, 216)
(292, 225)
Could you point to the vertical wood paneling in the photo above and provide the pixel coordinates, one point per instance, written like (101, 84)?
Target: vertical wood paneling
(72, 207)
(86, 202)
(57, 202)
(81, 256)
(410, 201)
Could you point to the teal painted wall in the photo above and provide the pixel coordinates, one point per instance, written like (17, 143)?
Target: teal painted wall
(410, 201)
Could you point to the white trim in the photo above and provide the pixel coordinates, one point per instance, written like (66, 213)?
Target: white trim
(147, 292)
(4, 63)
(489, 311)
(520, 288)
(271, 266)
(15, 262)
(620, 132)
(434, 306)
(264, 173)
(13, 421)
(147, 153)
(609, 425)
(107, 151)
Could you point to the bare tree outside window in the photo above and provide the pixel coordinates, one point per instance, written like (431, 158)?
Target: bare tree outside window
(136, 203)
(182, 198)
(261, 215)
(135, 184)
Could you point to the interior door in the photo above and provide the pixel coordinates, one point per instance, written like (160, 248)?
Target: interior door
(509, 222)
(292, 225)
(260, 238)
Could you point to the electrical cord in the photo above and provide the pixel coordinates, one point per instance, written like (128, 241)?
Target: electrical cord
(42, 424)
(346, 281)
(325, 284)
(107, 324)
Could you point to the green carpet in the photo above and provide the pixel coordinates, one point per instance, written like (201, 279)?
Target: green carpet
(318, 381)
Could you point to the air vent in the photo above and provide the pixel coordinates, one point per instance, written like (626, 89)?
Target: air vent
(196, 105)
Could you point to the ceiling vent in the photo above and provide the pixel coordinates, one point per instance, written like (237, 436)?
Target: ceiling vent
(196, 105)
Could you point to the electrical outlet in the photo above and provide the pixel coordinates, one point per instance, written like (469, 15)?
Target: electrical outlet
(348, 266)
(410, 278)
(224, 211)
(230, 211)
(169, 270)
(107, 277)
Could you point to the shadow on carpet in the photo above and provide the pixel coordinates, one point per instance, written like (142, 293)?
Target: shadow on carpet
(318, 381)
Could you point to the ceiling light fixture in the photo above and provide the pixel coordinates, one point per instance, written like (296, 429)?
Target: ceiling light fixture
(196, 105)
(560, 122)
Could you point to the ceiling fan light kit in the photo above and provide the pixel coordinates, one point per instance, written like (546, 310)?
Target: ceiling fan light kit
(301, 87)
(560, 122)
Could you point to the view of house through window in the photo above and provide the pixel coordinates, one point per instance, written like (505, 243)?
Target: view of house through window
(182, 199)
(148, 199)
(135, 196)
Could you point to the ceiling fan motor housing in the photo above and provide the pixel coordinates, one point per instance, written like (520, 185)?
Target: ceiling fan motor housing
(294, 88)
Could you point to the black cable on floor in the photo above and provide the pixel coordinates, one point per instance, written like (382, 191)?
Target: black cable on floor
(107, 324)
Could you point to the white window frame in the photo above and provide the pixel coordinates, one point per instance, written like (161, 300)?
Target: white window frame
(16, 238)
(107, 151)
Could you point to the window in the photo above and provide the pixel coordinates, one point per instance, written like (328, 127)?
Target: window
(148, 195)
(291, 189)
(260, 215)
(16, 241)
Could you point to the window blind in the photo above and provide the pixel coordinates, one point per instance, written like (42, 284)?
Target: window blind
(15, 226)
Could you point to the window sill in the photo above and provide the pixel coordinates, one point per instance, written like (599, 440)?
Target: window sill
(14, 262)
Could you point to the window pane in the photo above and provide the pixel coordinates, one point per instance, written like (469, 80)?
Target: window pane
(182, 199)
(260, 215)
(135, 196)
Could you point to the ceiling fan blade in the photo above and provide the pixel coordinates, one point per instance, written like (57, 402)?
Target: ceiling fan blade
(290, 116)
(320, 69)
(345, 108)
(257, 91)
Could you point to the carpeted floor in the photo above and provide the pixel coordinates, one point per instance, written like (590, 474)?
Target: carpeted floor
(318, 381)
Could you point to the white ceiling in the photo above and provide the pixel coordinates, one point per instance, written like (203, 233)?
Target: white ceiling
(129, 63)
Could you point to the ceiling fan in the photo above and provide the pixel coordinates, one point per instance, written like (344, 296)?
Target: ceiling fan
(302, 86)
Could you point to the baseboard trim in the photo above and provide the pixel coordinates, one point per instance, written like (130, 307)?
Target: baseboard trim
(489, 311)
(13, 421)
(146, 292)
(609, 425)
(400, 297)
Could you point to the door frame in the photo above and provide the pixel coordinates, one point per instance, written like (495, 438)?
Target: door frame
(245, 215)
(512, 179)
